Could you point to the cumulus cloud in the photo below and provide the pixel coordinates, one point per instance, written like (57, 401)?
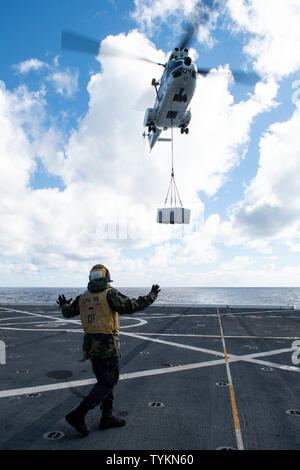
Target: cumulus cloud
(16, 158)
(275, 36)
(106, 168)
(268, 215)
(271, 205)
(203, 14)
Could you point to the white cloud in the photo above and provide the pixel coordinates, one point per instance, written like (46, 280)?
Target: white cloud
(105, 166)
(275, 33)
(218, 134)
(16, 159)
(150, 14)
(268, 216)
(64, 81)
(272, 203)
(31, 64)
(243, 271)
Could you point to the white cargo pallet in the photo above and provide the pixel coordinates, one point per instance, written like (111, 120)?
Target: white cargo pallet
(173, 215)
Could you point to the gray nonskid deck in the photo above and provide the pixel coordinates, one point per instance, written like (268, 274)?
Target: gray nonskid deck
(174, 386)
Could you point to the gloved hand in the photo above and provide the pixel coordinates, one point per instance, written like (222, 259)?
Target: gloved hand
(155, 289)
(62, 300)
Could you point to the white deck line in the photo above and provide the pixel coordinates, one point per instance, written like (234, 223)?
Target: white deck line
(80, 383)
(170, 305)
(275, 307)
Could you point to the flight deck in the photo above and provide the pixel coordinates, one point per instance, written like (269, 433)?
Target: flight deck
(191, 378)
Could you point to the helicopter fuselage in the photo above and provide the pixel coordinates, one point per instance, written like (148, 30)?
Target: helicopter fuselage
(177, 87)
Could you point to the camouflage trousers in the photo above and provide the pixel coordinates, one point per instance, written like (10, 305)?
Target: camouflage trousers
(107, 374)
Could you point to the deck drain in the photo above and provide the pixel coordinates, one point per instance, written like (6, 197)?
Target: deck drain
(293, 412)
(155, 404)
(222, 384)
(33, 395)
(53, 435)
(22, 371)
(268, 369)
(174, 365)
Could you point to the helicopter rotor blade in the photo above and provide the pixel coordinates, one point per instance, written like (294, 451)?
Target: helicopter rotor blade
(199, 18)
(203, 71)
(77, 42)
(112, 51)
(187, 37)
(245, 78)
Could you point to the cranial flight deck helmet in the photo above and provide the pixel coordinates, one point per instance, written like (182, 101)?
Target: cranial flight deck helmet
(99, 272)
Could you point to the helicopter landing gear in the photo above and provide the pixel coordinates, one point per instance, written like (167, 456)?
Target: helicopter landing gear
(184, 130)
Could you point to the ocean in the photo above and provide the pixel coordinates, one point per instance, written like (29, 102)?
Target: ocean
(279, 296)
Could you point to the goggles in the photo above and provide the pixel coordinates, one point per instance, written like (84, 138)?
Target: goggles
(97, 273)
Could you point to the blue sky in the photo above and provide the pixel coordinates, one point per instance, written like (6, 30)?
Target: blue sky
(73, 161)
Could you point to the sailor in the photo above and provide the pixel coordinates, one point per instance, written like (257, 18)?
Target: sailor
(99, 308)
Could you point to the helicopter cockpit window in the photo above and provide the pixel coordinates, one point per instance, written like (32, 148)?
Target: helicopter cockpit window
(173, 65)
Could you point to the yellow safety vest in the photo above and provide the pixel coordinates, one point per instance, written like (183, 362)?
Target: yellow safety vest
(96, 314)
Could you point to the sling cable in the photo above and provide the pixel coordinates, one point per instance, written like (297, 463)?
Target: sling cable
(173, 214)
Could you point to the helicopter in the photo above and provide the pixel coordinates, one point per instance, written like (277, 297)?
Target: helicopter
(174, 90)
(174, 93)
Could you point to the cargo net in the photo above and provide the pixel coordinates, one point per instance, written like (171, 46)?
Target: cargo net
(172, 193)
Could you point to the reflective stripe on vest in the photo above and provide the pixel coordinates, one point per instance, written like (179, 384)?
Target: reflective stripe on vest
(96, 314)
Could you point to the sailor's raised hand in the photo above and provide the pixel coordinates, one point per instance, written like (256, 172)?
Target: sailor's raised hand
(155, 289)
(62, 300)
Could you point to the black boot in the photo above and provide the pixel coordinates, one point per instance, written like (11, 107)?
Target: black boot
(76, 419)
(110, 421)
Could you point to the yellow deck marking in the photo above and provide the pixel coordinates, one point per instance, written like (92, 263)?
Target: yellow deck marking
(235, 415)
